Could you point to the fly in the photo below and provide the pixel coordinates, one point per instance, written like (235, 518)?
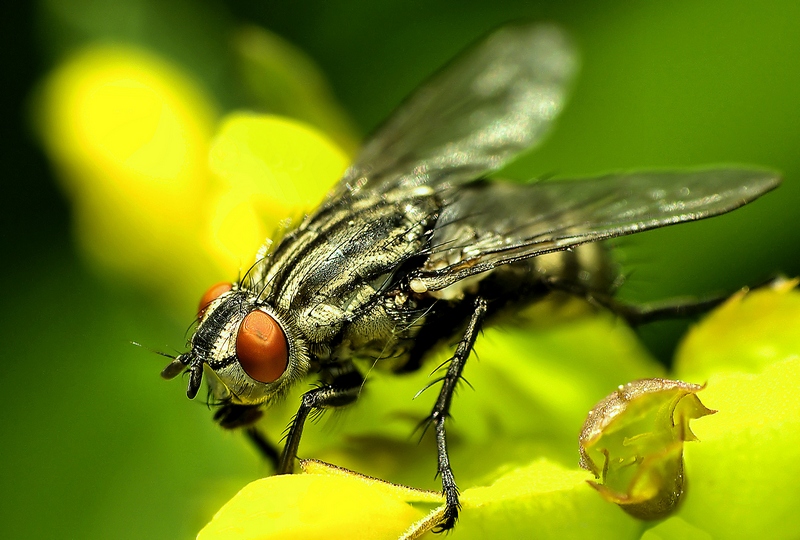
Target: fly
(414, 245)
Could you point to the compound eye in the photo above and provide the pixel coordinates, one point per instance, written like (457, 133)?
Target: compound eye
(213, 292)
(261, 347)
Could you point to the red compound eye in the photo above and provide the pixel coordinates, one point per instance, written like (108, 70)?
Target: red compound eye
(261, 347)
(213, 292)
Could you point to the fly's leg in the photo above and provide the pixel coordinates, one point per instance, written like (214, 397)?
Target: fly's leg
(342, 390)
(675, 308)
(441, 410)
(638, 314)
(264, 446)
(231, 416)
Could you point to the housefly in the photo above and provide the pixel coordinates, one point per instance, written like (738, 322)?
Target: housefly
(414, 245)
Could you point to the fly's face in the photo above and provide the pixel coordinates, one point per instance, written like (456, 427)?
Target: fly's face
(249, 353)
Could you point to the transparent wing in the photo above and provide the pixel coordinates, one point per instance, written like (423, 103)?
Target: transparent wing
(491, 103)
(487, 224)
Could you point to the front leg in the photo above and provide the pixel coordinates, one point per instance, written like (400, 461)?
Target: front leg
(342, 390)
(441, 410)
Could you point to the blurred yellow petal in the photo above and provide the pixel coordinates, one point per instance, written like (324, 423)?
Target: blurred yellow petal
(129, 134)
(267, 169)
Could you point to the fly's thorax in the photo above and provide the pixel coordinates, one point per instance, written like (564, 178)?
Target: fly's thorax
(351, 238)
(250, 353)
(346, 245)
(321, 322)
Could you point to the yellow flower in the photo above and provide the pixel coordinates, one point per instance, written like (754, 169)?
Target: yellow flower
(168, 194)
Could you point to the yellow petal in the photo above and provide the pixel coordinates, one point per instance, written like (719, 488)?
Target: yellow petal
(542, 500)
(743, 475)
(747, 333)
(329, 503)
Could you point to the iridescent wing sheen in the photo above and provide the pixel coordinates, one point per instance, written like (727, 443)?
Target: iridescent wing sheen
(494, 101)
(490, 223)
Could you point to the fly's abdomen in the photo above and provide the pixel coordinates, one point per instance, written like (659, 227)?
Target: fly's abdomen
(587, 267)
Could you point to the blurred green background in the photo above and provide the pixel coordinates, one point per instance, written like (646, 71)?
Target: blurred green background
(96, 446)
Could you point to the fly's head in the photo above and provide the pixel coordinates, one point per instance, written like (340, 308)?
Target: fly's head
(249, 353)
